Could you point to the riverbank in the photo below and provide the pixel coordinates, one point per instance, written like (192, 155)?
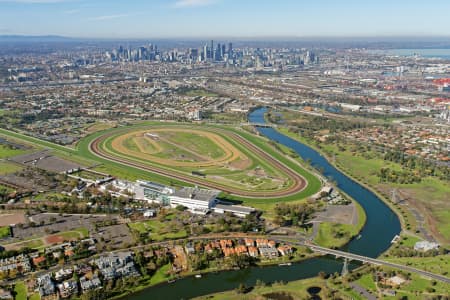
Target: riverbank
(278, 290)
(307, 142)
(330, 235)
(160, 277)
(381, 226)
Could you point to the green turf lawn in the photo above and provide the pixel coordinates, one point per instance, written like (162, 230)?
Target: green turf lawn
(438, 264)
(99, 126)
(8, 167)
(327, 230)
(21, 291)
(196, 143)
(295, 289)
(75, 234)
(5, 231)
(160, 275)
(130, 143)
(145, 144)
(367, 282)
(32, 244)
(158, 230)
(332, 235)
(409, 241)
(6, 152)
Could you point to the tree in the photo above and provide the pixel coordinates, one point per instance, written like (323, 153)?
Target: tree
(241, 289)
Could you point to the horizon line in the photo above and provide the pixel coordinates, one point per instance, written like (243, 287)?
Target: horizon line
(208, 37)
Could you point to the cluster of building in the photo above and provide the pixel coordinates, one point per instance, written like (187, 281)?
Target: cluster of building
(425, 246)
(199, 201)
(25, 263)
(214, 53)
(116, 265)
(263, 248)
(428, 142)
(110, 266)
(19, 264)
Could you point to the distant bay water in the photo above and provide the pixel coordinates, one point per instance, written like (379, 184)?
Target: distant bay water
(427, 53)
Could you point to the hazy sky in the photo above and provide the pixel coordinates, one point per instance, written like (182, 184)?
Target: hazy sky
(227, 18)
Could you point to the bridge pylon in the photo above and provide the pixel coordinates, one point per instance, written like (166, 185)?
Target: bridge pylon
(345, 267)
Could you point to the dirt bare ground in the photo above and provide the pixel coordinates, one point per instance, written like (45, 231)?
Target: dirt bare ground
(7, 219)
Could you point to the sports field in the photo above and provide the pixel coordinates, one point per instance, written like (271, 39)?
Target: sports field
(243, 166)
(202, 155)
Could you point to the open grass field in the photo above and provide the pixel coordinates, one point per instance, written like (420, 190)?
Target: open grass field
(67, 236)
(161, 275)
(20, 290)
(159, 230)
(438, 264)
(5, 231)
(334, 235)
(8, 167)
(33, 244)
(6, 151)
(99, 126)
(176, 147)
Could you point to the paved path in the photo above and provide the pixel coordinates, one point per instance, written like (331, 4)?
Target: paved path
(362, 291)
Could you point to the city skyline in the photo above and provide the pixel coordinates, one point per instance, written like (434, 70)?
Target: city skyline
(222, 18)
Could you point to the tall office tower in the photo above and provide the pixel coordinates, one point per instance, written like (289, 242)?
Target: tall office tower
(223, 51)
(218, 52)
(194, 54)
(212, 57)
(230, 49)
(205, 52)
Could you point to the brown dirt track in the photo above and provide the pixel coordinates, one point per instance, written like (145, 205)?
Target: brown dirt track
(299, 182)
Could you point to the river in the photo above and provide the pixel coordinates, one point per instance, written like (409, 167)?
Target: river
(381, 226)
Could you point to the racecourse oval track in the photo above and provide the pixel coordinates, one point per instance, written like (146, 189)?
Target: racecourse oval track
(299, 183)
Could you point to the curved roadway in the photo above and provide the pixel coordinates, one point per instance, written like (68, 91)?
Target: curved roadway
(299, 182)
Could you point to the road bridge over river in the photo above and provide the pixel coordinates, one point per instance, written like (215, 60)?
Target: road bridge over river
(364, 259)
(374, 261)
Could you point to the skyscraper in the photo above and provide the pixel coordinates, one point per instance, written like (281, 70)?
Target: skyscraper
(222, 53)
(205, 52)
